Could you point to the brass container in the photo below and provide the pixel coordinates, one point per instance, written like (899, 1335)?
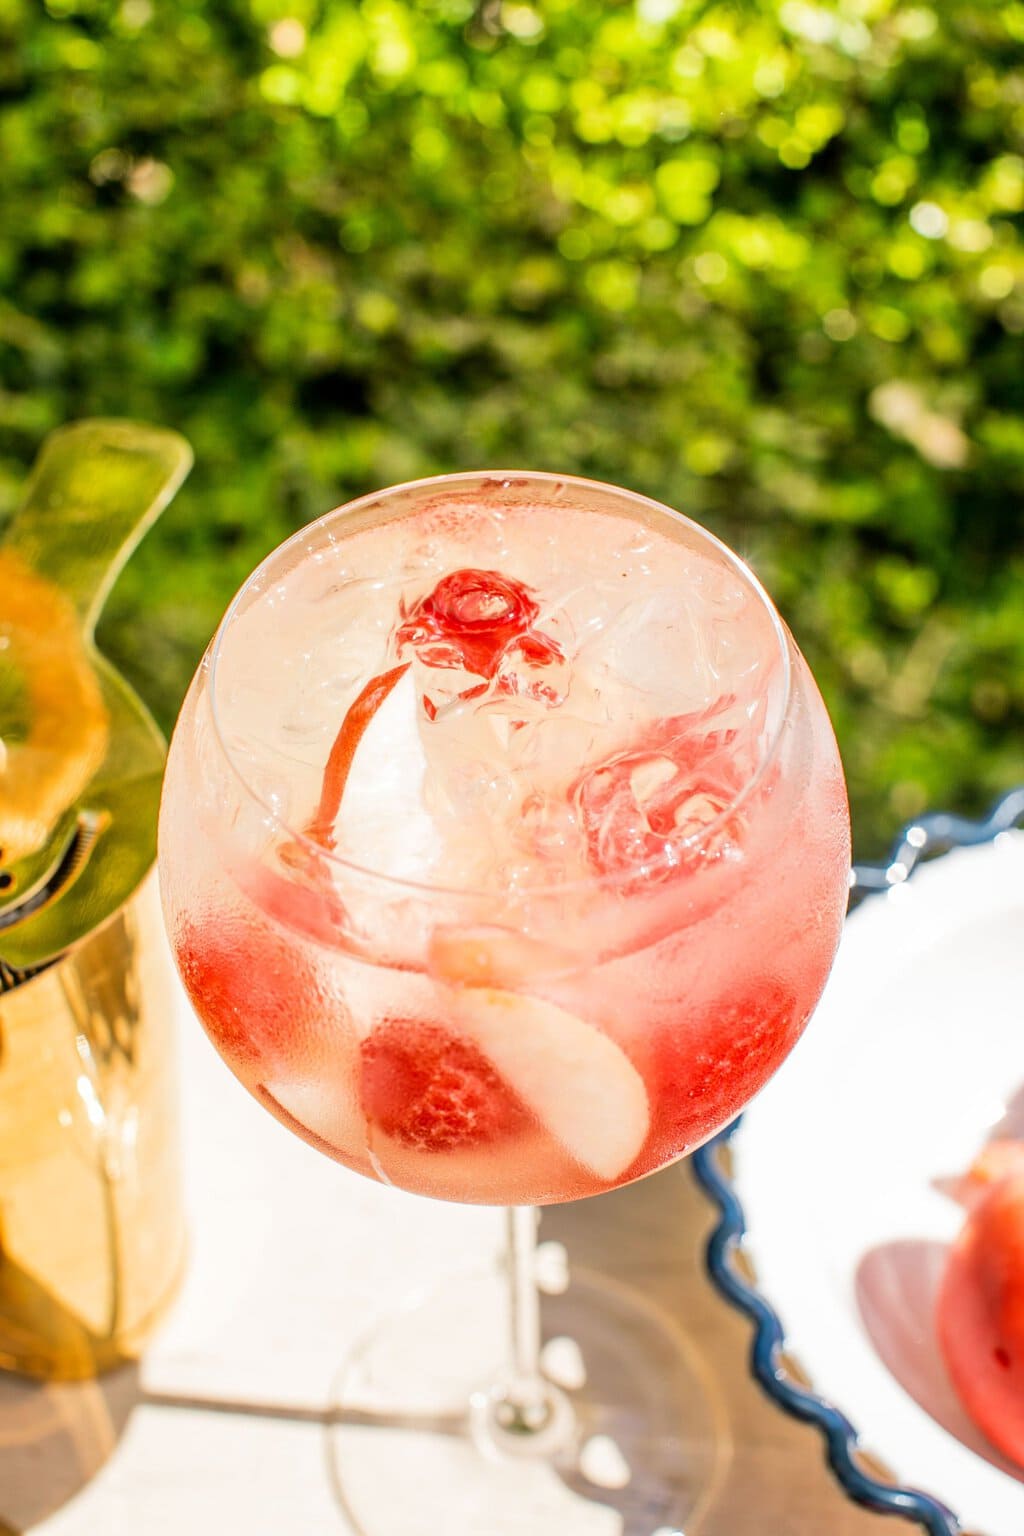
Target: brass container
(92, 1231)
(91, 1221)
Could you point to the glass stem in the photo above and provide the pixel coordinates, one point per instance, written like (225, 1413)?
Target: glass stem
(525, 1403)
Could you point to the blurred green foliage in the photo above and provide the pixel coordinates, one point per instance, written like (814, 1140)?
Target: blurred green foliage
(762, 260)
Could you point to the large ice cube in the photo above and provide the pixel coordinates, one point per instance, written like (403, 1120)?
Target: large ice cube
(659, 654)
(383, 823)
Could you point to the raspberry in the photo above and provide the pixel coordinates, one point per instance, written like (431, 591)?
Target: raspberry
(708, 1067)
(433, 1091)
(250, 986)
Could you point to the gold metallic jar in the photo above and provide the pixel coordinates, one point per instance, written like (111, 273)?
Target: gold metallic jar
(91, 1221)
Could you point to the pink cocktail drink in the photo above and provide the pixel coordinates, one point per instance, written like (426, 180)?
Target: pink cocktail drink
(504, 843)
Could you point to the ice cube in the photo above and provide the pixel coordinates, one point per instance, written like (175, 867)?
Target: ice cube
(642, 807)
(655, 655)
(383, 823)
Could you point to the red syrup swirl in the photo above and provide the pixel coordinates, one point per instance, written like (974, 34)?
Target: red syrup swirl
(342, 755)
(471, 620)
(640, 808)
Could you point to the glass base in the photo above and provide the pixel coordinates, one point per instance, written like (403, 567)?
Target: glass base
(634, 1442)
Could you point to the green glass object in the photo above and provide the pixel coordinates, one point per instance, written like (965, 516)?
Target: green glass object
(92, 1232)
(81, 759)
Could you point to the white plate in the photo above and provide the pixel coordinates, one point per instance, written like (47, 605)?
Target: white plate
(914, 1060)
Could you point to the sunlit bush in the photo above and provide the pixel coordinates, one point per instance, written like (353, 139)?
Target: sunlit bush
(761, 260)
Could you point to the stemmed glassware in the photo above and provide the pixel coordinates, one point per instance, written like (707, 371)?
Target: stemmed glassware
(504, 851)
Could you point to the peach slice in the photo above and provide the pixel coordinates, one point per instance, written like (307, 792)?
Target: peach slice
(487, 955)
(327, 1107)
(579, 1083)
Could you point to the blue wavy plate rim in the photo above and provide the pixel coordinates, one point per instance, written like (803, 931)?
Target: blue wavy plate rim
(920, 840)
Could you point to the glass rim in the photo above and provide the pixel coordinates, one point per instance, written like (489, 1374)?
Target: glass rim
(642, 869)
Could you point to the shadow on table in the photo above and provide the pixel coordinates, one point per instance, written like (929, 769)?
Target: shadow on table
(54, 1437)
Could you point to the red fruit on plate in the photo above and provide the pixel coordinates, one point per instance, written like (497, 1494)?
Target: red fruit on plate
(998, 1160)
(980, 1315)
(433, 1091)
(253, 988)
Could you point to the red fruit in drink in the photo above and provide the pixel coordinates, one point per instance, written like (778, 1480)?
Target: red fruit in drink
(980, 1315)
(434, 1091)
(252, 987)
(708, 1065)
